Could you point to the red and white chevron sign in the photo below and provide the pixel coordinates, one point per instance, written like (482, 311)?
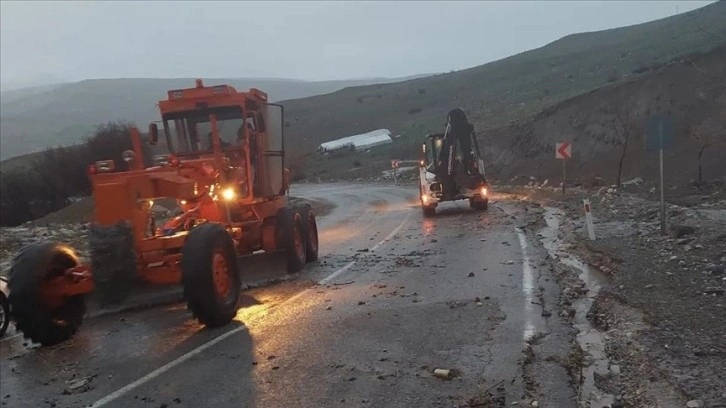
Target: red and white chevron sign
(563, 150)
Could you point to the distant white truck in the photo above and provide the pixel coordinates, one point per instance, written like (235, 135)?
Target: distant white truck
(452, 168)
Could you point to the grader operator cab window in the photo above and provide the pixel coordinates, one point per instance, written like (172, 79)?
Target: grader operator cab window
(190, 131)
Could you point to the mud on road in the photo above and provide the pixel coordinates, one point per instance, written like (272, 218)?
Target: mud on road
(660, 309)
(464, 309)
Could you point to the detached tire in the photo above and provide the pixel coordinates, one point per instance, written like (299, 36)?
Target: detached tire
(290, 237)
(310, 225)
(209, 275)
(34, 315)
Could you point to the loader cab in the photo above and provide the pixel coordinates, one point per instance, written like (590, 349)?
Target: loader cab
(431, 150)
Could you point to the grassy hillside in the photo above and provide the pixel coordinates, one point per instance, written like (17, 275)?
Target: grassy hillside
(35, 118)
(508, 90)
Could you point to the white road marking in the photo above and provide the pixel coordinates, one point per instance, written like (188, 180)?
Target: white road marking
(394, 232)
(336, 273)
(161, 370)
(376, 246)
(527, 286)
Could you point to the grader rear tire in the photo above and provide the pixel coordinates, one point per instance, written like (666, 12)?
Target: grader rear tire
(290, 237)
(310, 225)
(209, 275)
(33, 315)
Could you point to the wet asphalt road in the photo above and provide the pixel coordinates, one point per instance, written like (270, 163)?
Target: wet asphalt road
(393, 297)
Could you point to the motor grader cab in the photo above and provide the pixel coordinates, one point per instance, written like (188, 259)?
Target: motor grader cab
(451, 167)
(224, 166)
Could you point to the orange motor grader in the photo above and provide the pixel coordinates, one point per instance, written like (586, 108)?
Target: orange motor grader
(225, 167)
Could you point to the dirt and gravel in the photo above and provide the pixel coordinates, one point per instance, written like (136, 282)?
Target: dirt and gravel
(659, 302)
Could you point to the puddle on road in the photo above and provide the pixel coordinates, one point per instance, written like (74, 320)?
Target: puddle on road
(590, 339)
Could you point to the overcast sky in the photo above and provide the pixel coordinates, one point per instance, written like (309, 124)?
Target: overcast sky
(305, 40)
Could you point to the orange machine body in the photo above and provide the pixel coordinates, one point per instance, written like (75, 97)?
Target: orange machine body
(241, 185)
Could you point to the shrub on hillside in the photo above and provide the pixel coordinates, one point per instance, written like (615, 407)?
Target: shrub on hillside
(61, 173)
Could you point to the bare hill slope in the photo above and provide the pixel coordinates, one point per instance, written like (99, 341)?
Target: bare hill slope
(509, 90)
(33, 119)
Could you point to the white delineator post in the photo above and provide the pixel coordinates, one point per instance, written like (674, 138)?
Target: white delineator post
(588, 219)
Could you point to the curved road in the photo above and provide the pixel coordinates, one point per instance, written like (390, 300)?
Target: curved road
(393, 297)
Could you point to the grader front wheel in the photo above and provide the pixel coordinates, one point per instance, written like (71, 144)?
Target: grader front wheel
(44, 319)
(290, 237)
(209, 275)
(310, 225)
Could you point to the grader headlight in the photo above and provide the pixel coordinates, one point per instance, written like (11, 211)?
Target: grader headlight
(229, 194)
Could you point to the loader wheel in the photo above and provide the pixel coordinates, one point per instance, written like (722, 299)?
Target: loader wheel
(209, 275)
(479, 204)
(311, 233)
(428, 211)
(290, 237)
(39, 319)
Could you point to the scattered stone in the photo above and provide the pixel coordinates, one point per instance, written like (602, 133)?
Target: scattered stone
(714, 291)
(442, 373)
(546, 313)
(636, 181)
(470, 275)
(509, 262)
(76, 386)
(615, 369)
(679, 231)
(694, 404)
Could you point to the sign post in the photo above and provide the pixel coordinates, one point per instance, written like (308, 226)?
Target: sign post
(662, 193)
(661, 129)
(563, 151)
(395, 164)
(588, 219)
